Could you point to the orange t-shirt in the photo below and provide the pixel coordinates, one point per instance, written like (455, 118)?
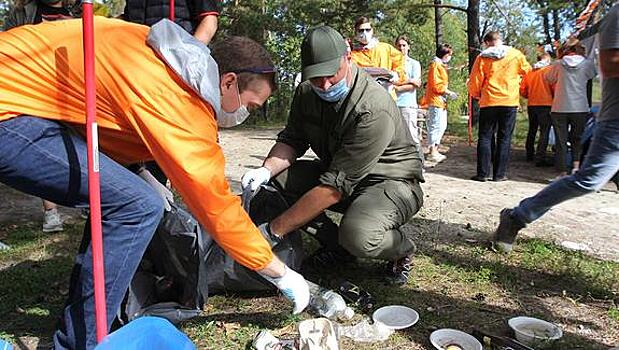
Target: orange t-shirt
(144, 111)
(536, 89)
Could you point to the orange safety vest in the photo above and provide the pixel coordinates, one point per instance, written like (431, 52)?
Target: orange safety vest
(144, 111)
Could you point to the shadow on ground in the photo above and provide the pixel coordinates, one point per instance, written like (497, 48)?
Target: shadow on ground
(32, 293)
(461, 163)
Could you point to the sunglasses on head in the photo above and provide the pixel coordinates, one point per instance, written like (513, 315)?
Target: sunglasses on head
(361, 30)
(259, 70)
(256, 70)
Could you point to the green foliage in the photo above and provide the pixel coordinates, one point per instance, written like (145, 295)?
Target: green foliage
(613, 313)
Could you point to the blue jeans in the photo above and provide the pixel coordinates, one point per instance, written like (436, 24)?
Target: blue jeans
(600, 165)
(436, 122)
(45, 159)
(493, 121)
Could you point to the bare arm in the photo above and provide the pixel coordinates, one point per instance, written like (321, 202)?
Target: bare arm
(206, 29)
(280, 158)
(609, 63)
(314, 202)
(404, 88)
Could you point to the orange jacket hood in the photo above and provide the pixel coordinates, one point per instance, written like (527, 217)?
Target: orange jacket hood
(144, 111)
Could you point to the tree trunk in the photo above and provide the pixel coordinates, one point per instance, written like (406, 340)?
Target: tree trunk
(546, 20)
(556, 25)
(438, 24)
(473, 41)
(544, 12)
(472, 31)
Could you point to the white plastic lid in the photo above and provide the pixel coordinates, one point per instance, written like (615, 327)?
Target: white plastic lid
(348, 313)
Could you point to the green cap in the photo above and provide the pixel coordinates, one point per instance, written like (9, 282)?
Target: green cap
(321, 52)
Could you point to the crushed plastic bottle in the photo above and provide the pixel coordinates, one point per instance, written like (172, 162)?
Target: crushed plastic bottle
(365, 332)
(328, 303)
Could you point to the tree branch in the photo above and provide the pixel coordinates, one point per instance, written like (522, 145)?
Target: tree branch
(447, 6)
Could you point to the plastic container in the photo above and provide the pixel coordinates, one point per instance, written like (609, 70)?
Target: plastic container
(534, 332)
(317, 334)
(454, 339)
(153, 333)
(365, 332)
(328, 303)
(396, 316)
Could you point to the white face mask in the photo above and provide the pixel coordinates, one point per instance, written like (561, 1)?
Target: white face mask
(364, 37)
(446, 59)
(234, 118)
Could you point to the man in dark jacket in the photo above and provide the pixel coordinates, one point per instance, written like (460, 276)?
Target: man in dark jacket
(198, 17)
(37, 11)
(369, 167)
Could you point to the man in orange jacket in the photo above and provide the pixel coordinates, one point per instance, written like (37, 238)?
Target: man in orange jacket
(369, 52)
(149, 106)
(495, 82)
(539, 94)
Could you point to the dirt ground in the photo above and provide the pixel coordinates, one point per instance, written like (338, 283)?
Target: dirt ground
(589, 223)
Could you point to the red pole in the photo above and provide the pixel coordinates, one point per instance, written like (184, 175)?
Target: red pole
(94, 190)
(470, 126)
(172, 14)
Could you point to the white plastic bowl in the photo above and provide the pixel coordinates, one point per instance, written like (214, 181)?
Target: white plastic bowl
(396, 316)
(444, 337)
(534, 332)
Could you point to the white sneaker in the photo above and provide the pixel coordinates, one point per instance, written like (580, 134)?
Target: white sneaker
(52, 221)
(436, 157)
(4, 246)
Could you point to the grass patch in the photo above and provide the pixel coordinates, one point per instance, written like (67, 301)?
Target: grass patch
(454, 284)
(34, 275)
(613, 313)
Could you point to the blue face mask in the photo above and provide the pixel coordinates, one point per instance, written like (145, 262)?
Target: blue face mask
(335, 92)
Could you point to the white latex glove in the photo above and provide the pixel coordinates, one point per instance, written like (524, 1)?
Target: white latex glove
(255, 177)
(294, 287)
(394, 77)
(451, 95)
(163, 191)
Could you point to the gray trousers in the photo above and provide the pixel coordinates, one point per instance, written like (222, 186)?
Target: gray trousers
(568, 127)
(373, 215)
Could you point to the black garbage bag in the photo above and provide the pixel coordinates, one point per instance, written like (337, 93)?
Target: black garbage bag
(226, 275)
(183, 264)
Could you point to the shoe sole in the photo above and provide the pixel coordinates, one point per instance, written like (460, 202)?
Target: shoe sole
(53, 229)
(502, 247)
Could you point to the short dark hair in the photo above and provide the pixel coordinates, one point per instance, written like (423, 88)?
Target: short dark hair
(443, 49)
(361, 20)
(572, 45)
(402, 37)
(492, 36)
(238, 53)
(543, 56)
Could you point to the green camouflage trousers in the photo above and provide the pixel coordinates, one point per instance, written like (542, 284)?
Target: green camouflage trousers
(373, 215)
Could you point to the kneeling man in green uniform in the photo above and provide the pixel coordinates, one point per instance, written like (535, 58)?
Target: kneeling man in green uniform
(368, 167)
